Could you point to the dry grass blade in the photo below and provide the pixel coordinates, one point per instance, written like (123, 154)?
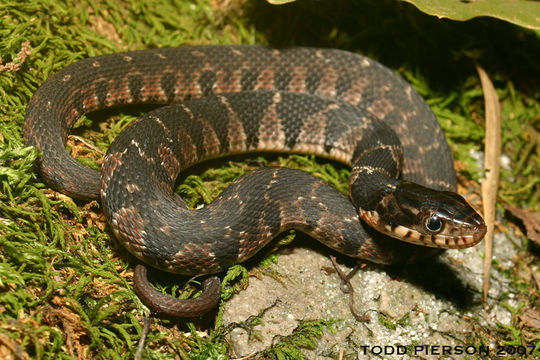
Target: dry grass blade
(10, 349)
(492, 155)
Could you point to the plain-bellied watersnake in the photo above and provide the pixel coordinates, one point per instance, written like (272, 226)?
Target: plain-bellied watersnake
(327, 102)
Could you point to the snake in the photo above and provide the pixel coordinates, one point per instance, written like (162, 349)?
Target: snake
(221, 100)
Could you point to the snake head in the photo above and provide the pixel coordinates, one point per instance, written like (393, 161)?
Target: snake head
(426, 217)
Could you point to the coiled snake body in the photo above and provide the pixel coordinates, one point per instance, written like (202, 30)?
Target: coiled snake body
(331, 103)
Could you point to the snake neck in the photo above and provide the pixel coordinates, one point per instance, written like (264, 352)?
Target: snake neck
(376, 165)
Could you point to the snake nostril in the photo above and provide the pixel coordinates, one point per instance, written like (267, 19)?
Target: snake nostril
(480, 232)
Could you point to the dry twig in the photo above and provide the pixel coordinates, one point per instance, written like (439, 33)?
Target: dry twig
(492, 155)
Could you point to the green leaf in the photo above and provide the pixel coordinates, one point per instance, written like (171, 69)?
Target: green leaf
(279, 2)
(525, 13)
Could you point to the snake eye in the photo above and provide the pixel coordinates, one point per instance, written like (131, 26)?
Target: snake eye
(434, 224)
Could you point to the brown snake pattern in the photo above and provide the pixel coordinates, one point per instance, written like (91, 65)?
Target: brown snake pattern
(382, 114)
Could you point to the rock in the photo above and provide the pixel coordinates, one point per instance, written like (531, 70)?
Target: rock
(428, 304)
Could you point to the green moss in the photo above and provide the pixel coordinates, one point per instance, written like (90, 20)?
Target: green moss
(387, 323)
(304, 336)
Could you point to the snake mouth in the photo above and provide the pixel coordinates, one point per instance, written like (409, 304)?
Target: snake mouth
(438, 240)
(455, 242)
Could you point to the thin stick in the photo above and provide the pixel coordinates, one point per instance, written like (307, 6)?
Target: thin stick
(492, 157)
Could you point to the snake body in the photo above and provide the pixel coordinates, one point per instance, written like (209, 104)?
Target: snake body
(327, 102)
